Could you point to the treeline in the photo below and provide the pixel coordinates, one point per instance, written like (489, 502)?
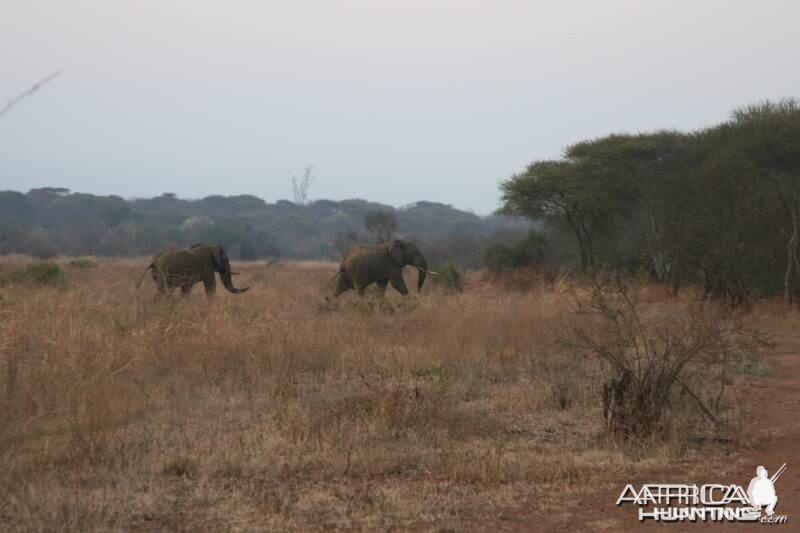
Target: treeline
(717, 207)
(54, 221)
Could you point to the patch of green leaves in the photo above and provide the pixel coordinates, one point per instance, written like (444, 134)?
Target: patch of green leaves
(42, 273)
(448, 277)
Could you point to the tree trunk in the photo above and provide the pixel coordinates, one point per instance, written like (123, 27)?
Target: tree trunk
(675, 276)
(791, 256)
(579, 240)
(587, 239)
(582, 247)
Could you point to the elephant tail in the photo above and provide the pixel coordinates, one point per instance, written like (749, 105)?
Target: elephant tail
(138, 283)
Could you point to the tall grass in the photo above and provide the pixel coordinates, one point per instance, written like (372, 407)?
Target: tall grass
(269, 410)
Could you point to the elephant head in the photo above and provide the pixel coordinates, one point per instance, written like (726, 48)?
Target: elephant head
(221, 264)
(224, 269)
(406, 253)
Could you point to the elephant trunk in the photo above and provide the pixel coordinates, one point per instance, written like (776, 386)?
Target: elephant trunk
(228, 283)
(422, 266)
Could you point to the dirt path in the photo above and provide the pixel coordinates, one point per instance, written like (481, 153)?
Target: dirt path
(771, 407)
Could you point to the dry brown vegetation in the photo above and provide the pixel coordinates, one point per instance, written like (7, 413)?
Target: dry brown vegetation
(280, 410)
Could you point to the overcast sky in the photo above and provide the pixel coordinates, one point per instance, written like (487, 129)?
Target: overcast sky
(391, 100)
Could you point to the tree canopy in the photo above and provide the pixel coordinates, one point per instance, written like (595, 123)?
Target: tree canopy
(51, 220)
(719, 206)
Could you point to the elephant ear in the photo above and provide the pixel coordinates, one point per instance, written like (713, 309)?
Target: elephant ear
(396, 251)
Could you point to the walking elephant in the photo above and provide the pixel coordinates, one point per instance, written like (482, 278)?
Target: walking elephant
(382, 264)
(178, 267)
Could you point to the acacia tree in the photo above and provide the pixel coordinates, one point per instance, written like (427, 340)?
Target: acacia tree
(649, 176)
(571, 194)
(722, 204)
(766, 138)
(381, 225)
(301, 185)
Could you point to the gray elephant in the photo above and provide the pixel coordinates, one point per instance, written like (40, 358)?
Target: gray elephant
(382, 264)
(178, 267)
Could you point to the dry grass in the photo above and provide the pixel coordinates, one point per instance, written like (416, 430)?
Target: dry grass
(280, 410)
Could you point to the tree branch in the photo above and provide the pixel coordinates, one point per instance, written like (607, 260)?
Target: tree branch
(29, 92)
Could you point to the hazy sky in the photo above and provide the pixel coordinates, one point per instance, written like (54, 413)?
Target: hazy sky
(392, 101)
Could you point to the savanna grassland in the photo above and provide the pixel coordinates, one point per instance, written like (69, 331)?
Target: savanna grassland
(278, 409)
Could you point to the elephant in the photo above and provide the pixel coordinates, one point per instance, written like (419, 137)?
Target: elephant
(383, 263)
(178, 267)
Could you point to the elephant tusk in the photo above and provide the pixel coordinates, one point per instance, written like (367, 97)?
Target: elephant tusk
(431, 272)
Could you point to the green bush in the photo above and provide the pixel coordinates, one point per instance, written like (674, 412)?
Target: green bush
(434, 372)
(529, 251)
(37, 273)
(499, 256)
(83, 262)
(448, 276)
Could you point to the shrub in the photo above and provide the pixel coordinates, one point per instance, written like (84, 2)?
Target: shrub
(432, 371)
(37, 273)
(529, 251)
(662, 368)
(448, 276)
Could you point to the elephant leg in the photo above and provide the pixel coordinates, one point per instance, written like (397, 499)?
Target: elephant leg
(210, 285)
(343, 284)
(161, 282)
(382, 285)
(360, 282)
(396, 279)
(360, 289)
(340, 290)
(163, 290)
